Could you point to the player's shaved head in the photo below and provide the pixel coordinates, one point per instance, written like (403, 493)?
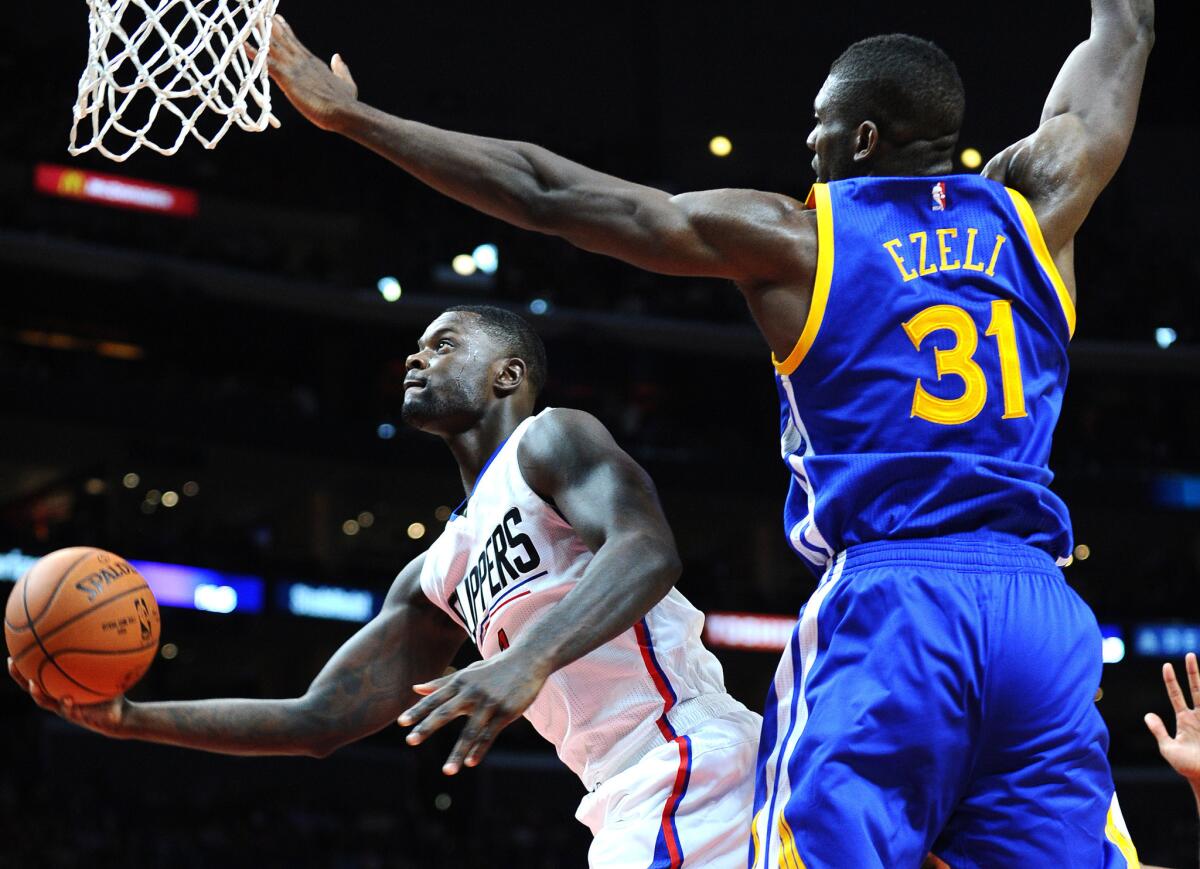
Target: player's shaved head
(906, 85)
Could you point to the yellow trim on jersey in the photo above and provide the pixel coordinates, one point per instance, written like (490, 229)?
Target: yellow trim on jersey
(1034, 233)
(789, 857)
(1121, 839)
(818, 198)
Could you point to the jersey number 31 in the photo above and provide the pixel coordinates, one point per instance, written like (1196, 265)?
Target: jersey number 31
(959, 360)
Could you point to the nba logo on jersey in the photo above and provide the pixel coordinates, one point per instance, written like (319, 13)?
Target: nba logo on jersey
(939, 196)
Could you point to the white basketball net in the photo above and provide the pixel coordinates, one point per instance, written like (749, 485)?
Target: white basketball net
(160, 69)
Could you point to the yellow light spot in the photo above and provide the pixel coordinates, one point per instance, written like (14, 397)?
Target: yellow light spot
(170, 499)
(463, 264)
(366, 518)
(349, 527)
(720, 146)
(442, 513)
(120, 350)
(971, 158)
(130, 480)
(95, 486)
(416, 531)
(1082, 551)
(170, 651)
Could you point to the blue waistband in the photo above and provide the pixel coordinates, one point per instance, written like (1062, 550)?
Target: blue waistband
(963, 555)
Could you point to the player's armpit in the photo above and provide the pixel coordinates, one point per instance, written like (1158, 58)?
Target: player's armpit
(1086, 124)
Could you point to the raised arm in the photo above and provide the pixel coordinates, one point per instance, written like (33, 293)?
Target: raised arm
(363, 688)
(1086, 123)
(743, 235)
(568, 457)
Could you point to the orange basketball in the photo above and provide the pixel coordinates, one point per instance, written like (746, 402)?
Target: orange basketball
(82, 623)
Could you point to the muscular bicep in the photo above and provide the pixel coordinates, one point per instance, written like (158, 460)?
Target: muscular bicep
(570, 458)
(742, 235)
(368, 681)
(1086, 123)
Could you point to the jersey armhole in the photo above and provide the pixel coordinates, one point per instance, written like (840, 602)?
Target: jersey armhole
(1033, 232)
(818, 198)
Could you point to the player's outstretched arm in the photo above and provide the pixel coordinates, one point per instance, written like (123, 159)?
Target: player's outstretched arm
(1086, 124)
(744, 235)
(359, 691)
(570, 458)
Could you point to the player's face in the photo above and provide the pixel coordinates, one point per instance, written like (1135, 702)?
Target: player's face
(449, 380)
(832, 139)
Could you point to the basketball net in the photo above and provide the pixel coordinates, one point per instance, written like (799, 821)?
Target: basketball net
(158, 70)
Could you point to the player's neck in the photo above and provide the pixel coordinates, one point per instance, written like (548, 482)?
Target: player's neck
(473, 448)
(915, 159)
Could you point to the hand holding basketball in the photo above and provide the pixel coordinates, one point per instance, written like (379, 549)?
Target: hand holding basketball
(319, 92)
(105, 718)
(82, 624)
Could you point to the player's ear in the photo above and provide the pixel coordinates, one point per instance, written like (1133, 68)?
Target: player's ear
(511, 375)
(866, 141)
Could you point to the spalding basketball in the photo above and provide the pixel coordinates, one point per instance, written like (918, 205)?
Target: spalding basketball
(82, 623)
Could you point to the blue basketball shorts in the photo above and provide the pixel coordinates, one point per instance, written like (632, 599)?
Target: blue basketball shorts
(938, 698)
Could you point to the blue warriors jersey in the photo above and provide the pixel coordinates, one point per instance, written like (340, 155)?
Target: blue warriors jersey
(922, 394)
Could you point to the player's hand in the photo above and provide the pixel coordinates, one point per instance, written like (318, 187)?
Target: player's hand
(105, 718)
(319, 91)
(493, 693)
(1183, 750)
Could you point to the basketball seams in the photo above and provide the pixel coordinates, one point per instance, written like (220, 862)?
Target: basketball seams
(66, 675)
(79, 615)
(105, 651)
(57, 586)
(9, 626)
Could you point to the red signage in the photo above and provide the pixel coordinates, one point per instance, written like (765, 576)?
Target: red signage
(749, 631)
(113, 190)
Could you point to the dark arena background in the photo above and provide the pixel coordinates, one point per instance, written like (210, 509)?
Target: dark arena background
(215, 387)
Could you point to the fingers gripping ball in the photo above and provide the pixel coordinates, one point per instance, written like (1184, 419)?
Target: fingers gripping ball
(82, 623)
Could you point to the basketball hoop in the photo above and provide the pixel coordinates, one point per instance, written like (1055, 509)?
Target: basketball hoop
(160, 69)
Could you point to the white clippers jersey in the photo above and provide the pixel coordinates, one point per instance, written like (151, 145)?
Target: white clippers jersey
(510, 557)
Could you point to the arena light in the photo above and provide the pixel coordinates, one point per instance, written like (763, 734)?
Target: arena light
(1166, 640)
(181, 585)
(113, 190)
(389, 288)
(14, 564)
(1177, 491)
(131, 480)
(386, 431)
(1165, 336)
(416, 531)
(221, 599)
(539, 306)
(971, 158)
(487, 258)
(1112, 647)
(1113, 650)
(329, 602)
(748, 631)
(720, 146)
(464, 265)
